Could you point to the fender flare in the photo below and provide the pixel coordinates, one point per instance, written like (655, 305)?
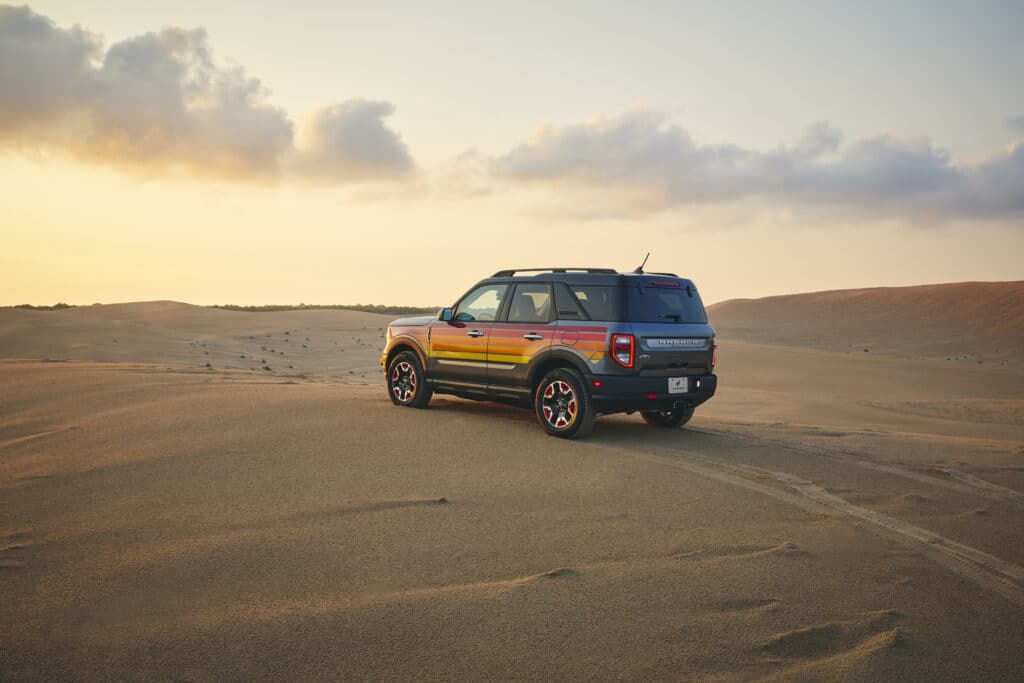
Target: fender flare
(411, 342)
(556, 353)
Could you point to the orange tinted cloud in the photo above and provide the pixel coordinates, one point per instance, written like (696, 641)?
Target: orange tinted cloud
(161, 100)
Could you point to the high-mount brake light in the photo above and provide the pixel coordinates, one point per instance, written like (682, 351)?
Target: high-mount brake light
(623, 346)
(664, 283)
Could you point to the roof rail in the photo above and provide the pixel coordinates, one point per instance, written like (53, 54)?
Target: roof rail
(513, 271)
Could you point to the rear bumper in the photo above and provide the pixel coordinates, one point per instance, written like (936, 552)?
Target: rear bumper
(618, 394)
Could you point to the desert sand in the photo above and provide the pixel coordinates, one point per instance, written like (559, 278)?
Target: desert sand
(833, 514)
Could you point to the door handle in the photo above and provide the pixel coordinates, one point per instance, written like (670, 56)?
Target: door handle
(475, 333)
(533, 336)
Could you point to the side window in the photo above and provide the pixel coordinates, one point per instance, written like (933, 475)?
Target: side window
(599, 301)
(565, 304)
(530, 304)
(481, 304)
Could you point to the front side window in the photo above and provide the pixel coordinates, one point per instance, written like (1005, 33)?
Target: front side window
(481, 304)
(530, 304)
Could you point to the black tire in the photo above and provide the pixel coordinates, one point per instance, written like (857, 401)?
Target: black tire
(562, 404)
(674, 418)
(406, 382)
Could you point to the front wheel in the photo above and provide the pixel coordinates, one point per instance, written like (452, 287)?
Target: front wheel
(562, 404)
(676, 417)
(407, 384)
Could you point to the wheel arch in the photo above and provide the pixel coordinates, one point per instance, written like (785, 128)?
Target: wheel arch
(549, 360)
(400, 344)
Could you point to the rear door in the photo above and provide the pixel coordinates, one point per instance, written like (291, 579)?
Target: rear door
(524, 329)
(458, 348)
(673, 337)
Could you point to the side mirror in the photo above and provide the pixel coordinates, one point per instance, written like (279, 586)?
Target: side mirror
(444, 315)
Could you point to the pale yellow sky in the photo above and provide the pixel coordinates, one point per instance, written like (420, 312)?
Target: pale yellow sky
(92, 235)
(120, 186)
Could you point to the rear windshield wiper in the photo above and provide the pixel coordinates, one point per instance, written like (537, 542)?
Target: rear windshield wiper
(672, 316)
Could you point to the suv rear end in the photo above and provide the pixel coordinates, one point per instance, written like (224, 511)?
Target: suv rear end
(658, 350)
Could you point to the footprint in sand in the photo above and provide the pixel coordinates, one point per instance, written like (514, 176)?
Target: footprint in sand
(859, 637)
(14, 550)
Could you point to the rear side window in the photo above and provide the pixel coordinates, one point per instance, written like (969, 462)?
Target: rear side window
(650, 304)
(601, 302)
(565, 304)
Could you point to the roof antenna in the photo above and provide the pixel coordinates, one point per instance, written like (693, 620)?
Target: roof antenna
(640, 268)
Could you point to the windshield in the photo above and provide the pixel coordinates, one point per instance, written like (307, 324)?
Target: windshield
(654, 304)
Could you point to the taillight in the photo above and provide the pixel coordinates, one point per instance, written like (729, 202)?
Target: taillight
(714, 355)
(622, 349)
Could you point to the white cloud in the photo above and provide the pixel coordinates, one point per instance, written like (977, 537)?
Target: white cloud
(350, 140)
(161, 100)
(654, 165)
(1015, 123)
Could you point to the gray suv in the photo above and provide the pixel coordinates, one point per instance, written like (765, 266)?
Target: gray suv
(572, 343)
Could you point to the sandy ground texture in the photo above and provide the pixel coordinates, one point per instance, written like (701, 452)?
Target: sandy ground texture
(830, 515)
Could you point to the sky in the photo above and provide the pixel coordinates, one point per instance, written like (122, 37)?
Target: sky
(397, 152)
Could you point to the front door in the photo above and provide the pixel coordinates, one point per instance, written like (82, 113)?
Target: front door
(522, 332)
(458, 348)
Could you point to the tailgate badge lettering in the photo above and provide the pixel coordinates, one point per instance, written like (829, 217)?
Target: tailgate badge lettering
(676, 343)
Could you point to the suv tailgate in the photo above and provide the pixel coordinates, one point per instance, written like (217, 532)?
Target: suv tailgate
(673, 349)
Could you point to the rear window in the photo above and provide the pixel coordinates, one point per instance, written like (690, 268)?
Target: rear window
(649, 304)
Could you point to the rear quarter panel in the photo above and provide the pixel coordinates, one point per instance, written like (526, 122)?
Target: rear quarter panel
(589, 341)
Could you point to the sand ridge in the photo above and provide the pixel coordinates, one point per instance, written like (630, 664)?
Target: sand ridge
(961, 322)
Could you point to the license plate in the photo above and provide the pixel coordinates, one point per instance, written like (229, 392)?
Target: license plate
(678, 385)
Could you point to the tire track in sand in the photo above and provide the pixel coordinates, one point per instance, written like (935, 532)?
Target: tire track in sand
(979, 567)
(958, 481)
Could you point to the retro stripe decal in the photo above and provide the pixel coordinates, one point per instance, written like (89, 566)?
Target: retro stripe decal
(460, 355)
(476, 364)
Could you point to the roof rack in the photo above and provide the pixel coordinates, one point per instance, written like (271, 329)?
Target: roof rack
(513, 271)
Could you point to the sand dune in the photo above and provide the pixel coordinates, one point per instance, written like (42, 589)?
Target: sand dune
(313, 342)
(829, 516)
(970, 321)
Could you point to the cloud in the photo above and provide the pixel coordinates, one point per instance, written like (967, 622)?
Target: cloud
(42, 68)
(350, 140)
(653, 164)
(160, 100)
(1014, 123)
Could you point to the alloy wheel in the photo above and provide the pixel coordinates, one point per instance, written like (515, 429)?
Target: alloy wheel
(559, 405)
(403, 381)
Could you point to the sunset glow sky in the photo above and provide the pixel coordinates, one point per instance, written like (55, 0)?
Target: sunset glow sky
(394, 153)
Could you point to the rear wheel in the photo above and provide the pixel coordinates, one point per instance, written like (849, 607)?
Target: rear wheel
(562, 404)
(407, 383)
(676, 417)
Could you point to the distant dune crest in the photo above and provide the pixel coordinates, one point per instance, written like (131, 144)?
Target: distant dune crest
(967, 320)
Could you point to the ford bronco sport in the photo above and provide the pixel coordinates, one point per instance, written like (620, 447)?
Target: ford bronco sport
(574, 343)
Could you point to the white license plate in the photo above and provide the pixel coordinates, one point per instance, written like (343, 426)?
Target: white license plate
(678, 385)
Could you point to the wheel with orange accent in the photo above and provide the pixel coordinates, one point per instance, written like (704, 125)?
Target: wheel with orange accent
(676, 417)
(562, 404)
(407, 384)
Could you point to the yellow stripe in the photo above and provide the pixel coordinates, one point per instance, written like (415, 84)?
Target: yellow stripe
(459, 355)
(505, 358)
(472, 355)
